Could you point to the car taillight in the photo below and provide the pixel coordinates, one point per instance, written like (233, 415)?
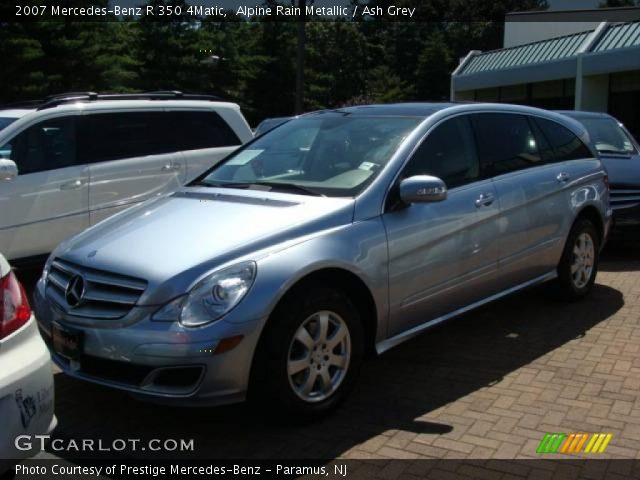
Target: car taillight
(14, 306)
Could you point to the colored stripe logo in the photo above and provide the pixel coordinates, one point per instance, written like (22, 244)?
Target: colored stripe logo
(573, 443)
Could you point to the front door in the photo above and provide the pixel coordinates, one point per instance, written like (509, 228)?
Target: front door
(48, 200)
(442, 256)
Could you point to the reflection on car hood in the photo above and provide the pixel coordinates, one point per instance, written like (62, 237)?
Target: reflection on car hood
(184, 235)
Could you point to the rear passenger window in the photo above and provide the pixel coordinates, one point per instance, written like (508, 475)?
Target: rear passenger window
(112, 136)
(194, 130)
(566, 145)
(506, 143)
(448, 153)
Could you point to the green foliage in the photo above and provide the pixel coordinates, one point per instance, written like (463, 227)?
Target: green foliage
(617, 3)
(253, 62)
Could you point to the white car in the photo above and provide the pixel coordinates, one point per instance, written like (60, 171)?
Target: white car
(7, 117)
(26, 377)
(72, 161)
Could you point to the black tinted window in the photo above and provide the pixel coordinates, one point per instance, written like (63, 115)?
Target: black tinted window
(6, 121)
(505, 143)
(544, 147)
(194, 130)
(566, 145)
(448, 152)
(111, 136)
(45, 146)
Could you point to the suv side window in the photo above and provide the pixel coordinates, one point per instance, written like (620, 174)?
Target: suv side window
(112, 136)
(506, 143)
(448, 152)
(47, 145)
(194, 130)
(566, 145)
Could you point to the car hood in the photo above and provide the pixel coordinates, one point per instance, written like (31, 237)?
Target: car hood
(173, 240)
(624, 172)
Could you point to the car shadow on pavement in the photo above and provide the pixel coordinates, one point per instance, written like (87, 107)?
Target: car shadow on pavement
(401, 390)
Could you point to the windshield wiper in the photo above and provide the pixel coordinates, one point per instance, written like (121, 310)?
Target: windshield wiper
(291, 187)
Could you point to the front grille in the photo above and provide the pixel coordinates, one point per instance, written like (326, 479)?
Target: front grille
(624, 198)
(100, 295)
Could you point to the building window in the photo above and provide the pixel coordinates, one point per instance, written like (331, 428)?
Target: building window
(624, 98)
(555, 94)
(514, 93)
(487, 95)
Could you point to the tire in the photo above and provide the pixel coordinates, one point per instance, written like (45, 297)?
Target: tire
(578, 266)
(290, 377)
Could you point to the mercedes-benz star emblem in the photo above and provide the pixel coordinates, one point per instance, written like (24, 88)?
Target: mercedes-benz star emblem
(75, 291)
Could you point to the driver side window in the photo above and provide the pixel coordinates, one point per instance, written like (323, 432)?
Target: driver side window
(6, 150)
(44, 146)
(448, 153)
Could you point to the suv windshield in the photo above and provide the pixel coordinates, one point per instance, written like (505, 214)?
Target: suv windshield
(6, 121)
(607, 136)
(331, 154)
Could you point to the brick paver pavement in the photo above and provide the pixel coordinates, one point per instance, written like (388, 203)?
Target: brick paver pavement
(487, 385)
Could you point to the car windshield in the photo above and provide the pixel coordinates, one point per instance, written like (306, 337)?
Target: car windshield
(5, 121)
(607, 136)
(270, 124)
(332, 154)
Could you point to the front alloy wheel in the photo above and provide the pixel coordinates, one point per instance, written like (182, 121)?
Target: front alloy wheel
(319, 356)
(310, 354)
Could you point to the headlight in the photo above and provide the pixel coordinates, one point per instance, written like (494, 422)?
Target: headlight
(211, 298)
(45, 270)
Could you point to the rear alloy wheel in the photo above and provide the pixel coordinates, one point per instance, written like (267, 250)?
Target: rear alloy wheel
(310, 354)
(578, 267)
(583, 258)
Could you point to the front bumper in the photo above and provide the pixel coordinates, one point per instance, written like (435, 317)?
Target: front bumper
(162, 362)
(626, 216)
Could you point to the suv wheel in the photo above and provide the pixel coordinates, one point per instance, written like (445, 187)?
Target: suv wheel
(311, 354)
(579, 264)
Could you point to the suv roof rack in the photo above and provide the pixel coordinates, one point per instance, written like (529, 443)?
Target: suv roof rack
(55, 100)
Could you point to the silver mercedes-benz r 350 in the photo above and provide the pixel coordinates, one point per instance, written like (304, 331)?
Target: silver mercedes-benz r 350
(336, 234)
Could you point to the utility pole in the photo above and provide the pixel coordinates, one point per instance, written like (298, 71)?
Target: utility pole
(302, 19)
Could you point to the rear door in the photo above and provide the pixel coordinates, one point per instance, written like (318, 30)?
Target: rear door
(48, 200)
(574, 166)
(533, 205)
(442, 256)
(131, 158)
(202, 137)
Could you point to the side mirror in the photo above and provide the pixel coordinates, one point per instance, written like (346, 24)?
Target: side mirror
(8, 169)
(422, 189)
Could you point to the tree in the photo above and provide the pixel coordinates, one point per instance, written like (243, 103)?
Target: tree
(616, 3)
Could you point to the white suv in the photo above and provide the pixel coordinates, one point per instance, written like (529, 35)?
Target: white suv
(73, 160)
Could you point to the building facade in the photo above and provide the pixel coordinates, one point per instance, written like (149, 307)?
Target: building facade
(582, 60)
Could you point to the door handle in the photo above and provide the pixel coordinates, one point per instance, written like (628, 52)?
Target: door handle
(169, 167)
(484, 200)
(563, 177)
(72, 185)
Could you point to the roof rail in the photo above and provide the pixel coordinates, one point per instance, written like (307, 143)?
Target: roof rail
(56, 100)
